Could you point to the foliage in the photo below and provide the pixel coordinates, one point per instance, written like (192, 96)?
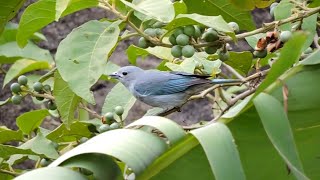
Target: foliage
(266, 125)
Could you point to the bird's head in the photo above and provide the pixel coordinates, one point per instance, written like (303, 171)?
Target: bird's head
(127, 74)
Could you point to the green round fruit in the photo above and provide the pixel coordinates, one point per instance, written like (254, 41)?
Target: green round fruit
(44, 162)
(308, 50)
(224, 56)
(182, 40)
(260, 54)
(22, 80)
(47, 88)
(40, 98)
(234, 26)
(189, 30)
(285, 36)
(15, 87)
(151, 32)
(172, 39)
(16, 99)
(104, 128)
(272, 11)
(273, 5)
(37, 86)
(119, 110)
(114, 125)
(188, 51)
(85, 171)
(211, 49)
(158, 25)
(143, 43)
(83, 140)
(176, 51)
(197, 32)
(52, 105)
(109, 116)
(159, 32)
(211, 35)
(178, 31)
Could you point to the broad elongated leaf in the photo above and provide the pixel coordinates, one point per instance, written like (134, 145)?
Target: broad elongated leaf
(116, 143)
(81, 56)
(61, 5)
(223, 8)
(134, 52)
(31, 51)
(31, 120)
(161, 10)
(251, 4)
(5, 101)
(52, 173)
(309, 24)
(240, 61)
(41, 13)
(283, 11)
(66, 100)
(312, 59)
(8, 9)
(23, 66)
(180, 7)
(218, 144)
(277, 126)
(7, 135)
(118, 96)
(7, 151)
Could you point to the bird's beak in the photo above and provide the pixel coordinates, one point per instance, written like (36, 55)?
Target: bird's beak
(114, 75)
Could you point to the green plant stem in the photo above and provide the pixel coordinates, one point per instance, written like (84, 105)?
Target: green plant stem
(48, 75)
(129, 36)
(14, 174)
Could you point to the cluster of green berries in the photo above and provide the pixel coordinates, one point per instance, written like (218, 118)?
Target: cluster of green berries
(154, 31)
(18, 87)
(110, 123)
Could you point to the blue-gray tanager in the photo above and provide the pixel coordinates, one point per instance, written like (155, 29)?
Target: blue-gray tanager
(164, 89)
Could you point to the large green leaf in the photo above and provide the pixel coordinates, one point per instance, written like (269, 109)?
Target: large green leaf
(81, 56)
(251, 4)
(240, 60)
(188, 65)
(277, 126)
(61, 5)
(223, 8)
(8, 9)
(309, 24)
(312, 59)
(31, 120)
(7, 151)
(161, 10)
(118, 96)
(283, 11)
(222, 154)
(41, 13)
(52, 173)
(134, 52)
(23, 66)
(9, 135)
(31, 51)
(66, 100)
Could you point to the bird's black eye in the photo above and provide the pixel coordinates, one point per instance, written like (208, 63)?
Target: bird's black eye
(124, 73)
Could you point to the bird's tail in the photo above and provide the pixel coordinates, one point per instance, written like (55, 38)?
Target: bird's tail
(226, 81)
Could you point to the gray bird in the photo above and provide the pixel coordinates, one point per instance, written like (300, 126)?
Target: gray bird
(166, 90)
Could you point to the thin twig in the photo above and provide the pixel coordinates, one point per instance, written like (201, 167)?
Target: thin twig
(234, 72)
(14, 174)
(48, 75)
(129, 36)
(92, 112)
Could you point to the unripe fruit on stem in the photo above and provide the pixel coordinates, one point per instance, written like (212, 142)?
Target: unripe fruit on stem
(188, 51)
(189, 30)
(47, 88)
(83, 140)
(52, 105)
(234, 26)
(308, 50)
(44, 162)
(224, 56)
(22, 80)
(178, 31)
(16, 99)
(260, 54)
(143, 43)
(182, 40)
(37, 86)
(285, 36)
(114, 125)
(211, 49)
(151, 32)
(15, 87)
(197, 32)
(176, 51)
(158, 25)
(109, 116)
(211, 35)
(103, 128)
(172, 40)
(119, 110)
(273, 5)
(159, 32)
(40, 98)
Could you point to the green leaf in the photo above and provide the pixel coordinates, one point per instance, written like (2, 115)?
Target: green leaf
(116, 143)
(31, 120)
(7, 151)
(52, 173)
(41, 13)
(118, 96)
(134, 52)
(7, 135)
(102, 166)
(252, 40)
(209, 67)
(180, 7)
(161, 10)
(240, 60)
(312, 59)
(65, 99)
(31, 51)
(188, 65)
(170, 129)
(283, 11)
(223, 8)
(67, 134)
(309, 25)
(277, 126)
(81, 56)
(215, 22)
(286, 59)
(221, 151)
(111, 68)
(23, 66)
(251, 4)
(5, 101)
(61, 5)
(8, 9)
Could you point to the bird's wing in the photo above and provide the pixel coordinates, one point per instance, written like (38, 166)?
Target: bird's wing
(167, 83)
